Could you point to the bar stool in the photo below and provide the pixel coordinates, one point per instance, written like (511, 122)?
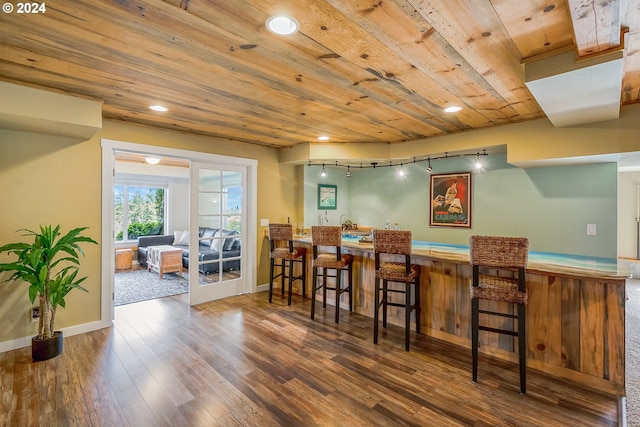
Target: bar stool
(395, 242)
(330, 236)
(499, 252)
(287, 254)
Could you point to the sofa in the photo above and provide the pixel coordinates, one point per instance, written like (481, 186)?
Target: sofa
(208, 249)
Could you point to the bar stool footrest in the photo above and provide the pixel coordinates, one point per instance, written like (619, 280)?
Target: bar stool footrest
(498, 331)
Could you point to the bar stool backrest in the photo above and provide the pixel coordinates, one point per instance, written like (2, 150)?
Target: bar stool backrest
(281, 232)
(394, 242)
(496, 251)
(326, 235)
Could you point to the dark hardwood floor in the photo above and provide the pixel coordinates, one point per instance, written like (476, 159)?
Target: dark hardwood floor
(243, 362)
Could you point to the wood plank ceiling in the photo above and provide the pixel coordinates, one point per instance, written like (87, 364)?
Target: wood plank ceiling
(357, 71)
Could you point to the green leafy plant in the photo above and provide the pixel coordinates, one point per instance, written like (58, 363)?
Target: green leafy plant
(50, 266)
(138, 229)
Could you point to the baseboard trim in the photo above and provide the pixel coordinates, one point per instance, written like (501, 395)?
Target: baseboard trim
(68, 332)
(622, 411)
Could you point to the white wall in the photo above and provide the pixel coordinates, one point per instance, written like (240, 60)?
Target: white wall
(178, 205)
(628, 183)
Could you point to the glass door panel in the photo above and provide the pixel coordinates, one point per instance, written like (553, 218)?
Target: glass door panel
(219, 222)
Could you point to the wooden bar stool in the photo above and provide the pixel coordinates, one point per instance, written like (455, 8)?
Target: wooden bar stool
(508, 253)
(282, 249)
(330, 236)
(395, 242)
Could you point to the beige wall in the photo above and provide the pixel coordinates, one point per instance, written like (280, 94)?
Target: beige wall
(56, 180)
(528, 144)
(49, 179)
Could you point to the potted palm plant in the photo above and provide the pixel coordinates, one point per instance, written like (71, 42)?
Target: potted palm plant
(50, 266)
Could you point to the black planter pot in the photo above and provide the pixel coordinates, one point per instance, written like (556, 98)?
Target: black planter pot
(46, 348)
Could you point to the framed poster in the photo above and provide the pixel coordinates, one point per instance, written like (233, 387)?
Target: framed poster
(451, 200)
(327, 196)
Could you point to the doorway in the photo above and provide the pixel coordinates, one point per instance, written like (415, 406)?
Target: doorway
(151, 207)
(220, 220)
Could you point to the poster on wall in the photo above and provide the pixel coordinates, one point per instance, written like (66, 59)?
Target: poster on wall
(451, 200)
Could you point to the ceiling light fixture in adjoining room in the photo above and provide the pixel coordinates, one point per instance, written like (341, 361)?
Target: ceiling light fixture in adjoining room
(282, 25)
(323, 138)
(158, 108)
(152, 160)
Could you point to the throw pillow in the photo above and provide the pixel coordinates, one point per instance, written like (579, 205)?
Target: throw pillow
(228, 242)
(184, 238)
(177, 235)
(215, 243)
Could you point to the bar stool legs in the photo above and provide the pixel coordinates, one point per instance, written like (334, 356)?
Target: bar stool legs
(408, 308)
(521, 334)
(522, 348)
(474, 337)
(286, 267)
(339, 290)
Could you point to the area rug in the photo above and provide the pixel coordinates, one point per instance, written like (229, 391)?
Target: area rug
(142, 285)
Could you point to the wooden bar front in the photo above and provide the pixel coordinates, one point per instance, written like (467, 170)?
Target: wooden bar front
(575, 318)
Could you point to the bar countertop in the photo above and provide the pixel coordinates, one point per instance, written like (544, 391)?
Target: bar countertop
(539, 262)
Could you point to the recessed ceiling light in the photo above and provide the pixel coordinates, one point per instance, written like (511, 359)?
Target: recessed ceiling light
(282, 25)
(452, 109)
(323, 138)
(158, 108)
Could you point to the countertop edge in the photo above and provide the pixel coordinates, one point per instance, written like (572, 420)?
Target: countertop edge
(534, 267)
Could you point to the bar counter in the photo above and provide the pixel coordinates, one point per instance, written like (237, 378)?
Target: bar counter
(575, 311)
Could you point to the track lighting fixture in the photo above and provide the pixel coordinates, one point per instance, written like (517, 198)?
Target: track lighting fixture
(373, 165)
(478, 165)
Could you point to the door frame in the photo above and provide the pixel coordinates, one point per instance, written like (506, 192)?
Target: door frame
(109, 146)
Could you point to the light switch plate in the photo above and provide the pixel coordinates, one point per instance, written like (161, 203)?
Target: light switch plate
(264, 222)
(591, 229)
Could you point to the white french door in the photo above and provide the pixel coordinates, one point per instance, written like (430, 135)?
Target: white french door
(238, 182)
(218, 224)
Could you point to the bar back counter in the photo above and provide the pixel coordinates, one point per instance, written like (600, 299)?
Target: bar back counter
(575, 312)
